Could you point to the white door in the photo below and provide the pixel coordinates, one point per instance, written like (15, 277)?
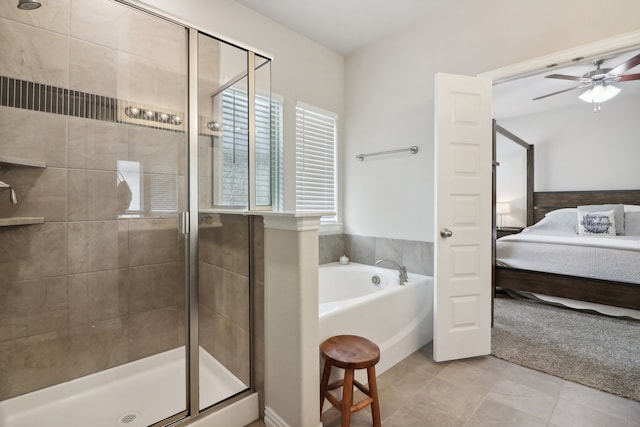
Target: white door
(463, 187)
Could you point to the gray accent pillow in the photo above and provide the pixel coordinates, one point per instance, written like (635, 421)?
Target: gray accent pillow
(618, 213)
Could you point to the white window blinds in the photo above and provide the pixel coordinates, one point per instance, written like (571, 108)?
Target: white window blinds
(277, 154)
(269, 174)
(316, 161)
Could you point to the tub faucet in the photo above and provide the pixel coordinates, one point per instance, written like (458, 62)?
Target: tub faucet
(12, 194)
(402, 270)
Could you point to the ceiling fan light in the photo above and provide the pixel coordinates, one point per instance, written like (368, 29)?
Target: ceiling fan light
(599, 93)
(587, 96)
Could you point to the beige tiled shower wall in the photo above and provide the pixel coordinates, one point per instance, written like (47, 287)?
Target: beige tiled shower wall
(415, 255)
(258, 310)
(224, 311)
(87, 290)
(224, 291)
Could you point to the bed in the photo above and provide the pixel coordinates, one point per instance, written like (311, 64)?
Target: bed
(550, 258)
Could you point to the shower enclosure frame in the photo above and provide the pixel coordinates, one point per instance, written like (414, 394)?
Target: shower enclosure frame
(188, 211)
(189, 221)
(190, 225)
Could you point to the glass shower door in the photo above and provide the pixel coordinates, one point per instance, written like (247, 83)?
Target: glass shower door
(93, 141)
(99, 285)
(224, 282)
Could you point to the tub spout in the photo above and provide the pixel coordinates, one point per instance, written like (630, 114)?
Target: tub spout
(402, 270)
(12, 194)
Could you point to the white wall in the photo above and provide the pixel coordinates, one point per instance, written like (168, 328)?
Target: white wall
(577, 149)
(511, 181)
(389, 95)
(301, 70)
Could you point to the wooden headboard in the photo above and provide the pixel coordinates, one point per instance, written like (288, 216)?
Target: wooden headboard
(545, 201)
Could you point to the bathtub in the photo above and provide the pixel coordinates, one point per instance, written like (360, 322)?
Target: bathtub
(399, 319)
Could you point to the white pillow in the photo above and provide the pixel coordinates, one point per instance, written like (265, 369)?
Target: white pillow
(597, 223)
(561, 211)
(632, 223)
(617, 209)
(559, 221)
(632, 208)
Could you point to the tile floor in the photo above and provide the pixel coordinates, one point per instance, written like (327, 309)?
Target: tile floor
(486, 391)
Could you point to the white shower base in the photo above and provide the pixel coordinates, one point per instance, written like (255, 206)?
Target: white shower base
(136, 394)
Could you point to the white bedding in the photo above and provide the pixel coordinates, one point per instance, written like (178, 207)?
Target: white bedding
(583, 305)
(553, 245)
(610, 258)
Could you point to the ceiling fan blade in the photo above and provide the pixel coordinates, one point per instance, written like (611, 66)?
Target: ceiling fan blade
(564, 77)
(628, 77)
(556, 93)
(627, 65)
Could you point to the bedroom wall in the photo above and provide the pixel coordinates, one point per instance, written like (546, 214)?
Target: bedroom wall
(511, 182)
(389, 95)
(577, 149)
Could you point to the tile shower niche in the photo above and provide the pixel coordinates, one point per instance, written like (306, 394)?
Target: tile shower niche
(7, 162)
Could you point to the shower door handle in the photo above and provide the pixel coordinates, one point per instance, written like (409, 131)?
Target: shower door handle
(183, 223)
(446, 233)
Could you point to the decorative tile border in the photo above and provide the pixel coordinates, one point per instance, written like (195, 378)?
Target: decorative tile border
(51, 99)
(33, 96)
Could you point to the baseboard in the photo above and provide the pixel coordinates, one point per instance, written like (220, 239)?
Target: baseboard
(272, 419)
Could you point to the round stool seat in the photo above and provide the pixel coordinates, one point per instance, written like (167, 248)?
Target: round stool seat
(350, 352)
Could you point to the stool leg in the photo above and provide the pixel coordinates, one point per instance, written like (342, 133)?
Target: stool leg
(347, 397)
(373, 389)
(326, 373)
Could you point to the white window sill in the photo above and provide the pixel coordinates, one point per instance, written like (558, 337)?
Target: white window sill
(328, 229)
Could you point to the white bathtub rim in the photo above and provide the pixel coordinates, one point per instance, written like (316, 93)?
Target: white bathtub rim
(328, 308)
(373, 268)
(407, 338)
(335, 307)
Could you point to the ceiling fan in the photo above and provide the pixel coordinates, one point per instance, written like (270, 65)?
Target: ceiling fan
(599, 81)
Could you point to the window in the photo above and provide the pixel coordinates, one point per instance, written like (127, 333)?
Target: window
(269, 155)
(235, 157)
(161, 197)
(164, 194)
(277, 154)
(234, 188)
(129, 187)
(316, 161)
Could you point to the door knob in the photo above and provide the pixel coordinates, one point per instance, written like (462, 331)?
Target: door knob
(445, 232)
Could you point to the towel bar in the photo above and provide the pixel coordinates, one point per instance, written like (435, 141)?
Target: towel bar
(413, 150)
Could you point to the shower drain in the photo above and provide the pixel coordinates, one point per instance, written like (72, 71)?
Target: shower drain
(128, 419)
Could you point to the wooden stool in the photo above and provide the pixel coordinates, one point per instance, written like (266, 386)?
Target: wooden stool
(350, 352)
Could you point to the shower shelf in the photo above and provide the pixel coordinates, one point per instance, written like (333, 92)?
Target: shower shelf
(15, 161)
(21, 220)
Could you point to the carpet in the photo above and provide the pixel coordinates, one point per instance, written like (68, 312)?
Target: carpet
(591, 349)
